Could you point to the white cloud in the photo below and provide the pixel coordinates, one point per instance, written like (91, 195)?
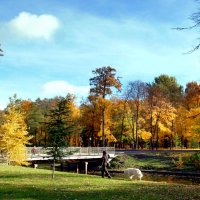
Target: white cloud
(34, 26)
(56, 88)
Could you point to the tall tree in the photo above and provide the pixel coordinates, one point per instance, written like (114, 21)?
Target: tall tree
(57, 130)
(192, 105)
(90, 120)
(171, 93)
(183, 125)
(72, 121)
(192, 95)
(169, 88)
(136, 92)
(14, 135)
(34, 119)
(120, 124)
(104, 79)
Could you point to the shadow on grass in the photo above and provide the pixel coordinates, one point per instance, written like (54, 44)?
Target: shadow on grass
(22, 183)
(120, 191)
(10, 176)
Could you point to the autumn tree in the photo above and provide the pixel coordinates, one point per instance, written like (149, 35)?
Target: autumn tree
(72, 121)
(1, 117)
(120, 124)
(13, 134)
(172, 93)
(108, 135)
(192, 106)
(136, 93)
(104, 79)
(160, 114)
(183, 125)
(90, 120)
(192, 95)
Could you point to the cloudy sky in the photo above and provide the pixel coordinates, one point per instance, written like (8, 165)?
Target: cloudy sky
(52, 46)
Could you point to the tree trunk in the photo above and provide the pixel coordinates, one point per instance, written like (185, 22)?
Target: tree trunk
(151, 129)
(103, 121)
(136, 128)
(53, 169)
(171, 137)
(133, 135)
(92, 132)
(45, 138)
(35, 137)
(122, 131)
(156, 137)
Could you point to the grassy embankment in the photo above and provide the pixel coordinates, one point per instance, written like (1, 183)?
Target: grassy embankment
(172, 161)
(31, 184)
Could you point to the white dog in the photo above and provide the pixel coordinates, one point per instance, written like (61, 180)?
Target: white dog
(133, 173)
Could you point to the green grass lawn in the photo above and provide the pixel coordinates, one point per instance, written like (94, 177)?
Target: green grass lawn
(29, 184)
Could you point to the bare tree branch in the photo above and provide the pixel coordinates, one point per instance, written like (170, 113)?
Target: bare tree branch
(194, 116)
(187, 28)
(1, 52)
(195, 17)
(194, 49)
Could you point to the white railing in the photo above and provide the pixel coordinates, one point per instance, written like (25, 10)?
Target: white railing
(75, 151)
(89, 150)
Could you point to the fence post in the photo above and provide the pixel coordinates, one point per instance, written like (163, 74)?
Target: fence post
(77, 169)
(86, 166)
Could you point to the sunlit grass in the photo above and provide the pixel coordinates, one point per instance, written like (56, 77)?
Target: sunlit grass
(30, 184)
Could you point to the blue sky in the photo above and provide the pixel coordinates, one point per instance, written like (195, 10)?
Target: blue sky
(52, 46)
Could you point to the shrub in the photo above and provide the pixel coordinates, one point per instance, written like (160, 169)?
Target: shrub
(194, 144)
(178, 163)
(195, 160)
(117, 162)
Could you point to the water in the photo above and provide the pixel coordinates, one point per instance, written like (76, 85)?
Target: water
(187, 180)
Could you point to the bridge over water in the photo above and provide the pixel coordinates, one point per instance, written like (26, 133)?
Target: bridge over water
(70, 153)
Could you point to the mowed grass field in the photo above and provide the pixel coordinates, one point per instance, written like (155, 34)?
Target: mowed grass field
(30, 184)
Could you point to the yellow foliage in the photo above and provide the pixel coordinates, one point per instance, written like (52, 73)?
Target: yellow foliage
(191, 122)
(145, 135)
(14, 137)
(163, 128)
(108, 135)
(75, 111)
(194, 113)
